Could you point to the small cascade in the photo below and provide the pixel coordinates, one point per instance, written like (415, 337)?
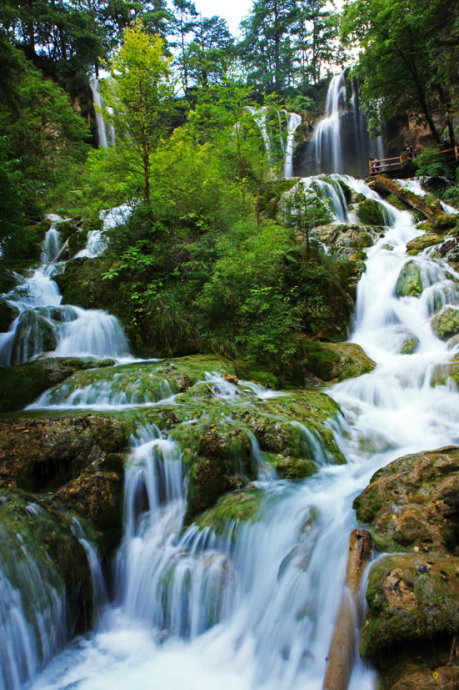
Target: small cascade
(97, 240)
(44, 325)
(105, 132)
(51, 245)
(32, 614)
(293, 123)
(99, 591)
(280, 140)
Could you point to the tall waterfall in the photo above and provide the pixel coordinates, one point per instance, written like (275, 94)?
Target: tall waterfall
(340, 141)
(105, 131)
(254, 607)
(280, 138)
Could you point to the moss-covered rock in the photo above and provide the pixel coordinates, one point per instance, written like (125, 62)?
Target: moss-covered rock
(236, 507)
(77, 460)
(338, 361)
(36, 533)
(22, 384)
(418, 244)
(370, 212)
(409, 282)
(411, 502)
(445, 222)
(410, 598)
(398, 203)
(446, 324)
(8, 313)
(289, 467)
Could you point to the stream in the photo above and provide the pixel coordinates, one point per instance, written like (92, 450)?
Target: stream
(254, 606)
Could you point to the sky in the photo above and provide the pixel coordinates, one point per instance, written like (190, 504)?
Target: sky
(231, 10)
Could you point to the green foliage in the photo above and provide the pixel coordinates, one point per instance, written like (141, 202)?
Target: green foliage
(306, 210)
(405, 60)
(429, 162)
(139, 93)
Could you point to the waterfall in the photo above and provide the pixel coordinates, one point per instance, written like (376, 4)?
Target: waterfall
(44, 325)
(326, 137)
(293, 123)
(105, 131)
(286, 139)
(253, 606)
(340, 141)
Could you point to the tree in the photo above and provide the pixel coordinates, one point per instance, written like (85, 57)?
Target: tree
(403, 67)
(211, 52)
(185, 23)
(305, 211)
(267, 49)
(139, 94)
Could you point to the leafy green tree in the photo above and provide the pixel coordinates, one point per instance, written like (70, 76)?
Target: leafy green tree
(185, 23)
(139, 94)
(305, 211)
(211, 52)
(403, 66)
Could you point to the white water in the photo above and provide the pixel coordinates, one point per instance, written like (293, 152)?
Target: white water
(293, 123)
(254, 608)
(105, 131)
(326, 137)
(44, 325)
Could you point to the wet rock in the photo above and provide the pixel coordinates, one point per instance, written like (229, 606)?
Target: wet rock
(345, 360)
(410, 598)
(289, 467)
(34, 335)
(370, 212)
(418, 244)
(237, 507)
(8, 313)
(443, 372)
(449, 250)
(409, 282)
(446, 324)
(405, 502)
(35, 529)
(22, 384)
(79, 461)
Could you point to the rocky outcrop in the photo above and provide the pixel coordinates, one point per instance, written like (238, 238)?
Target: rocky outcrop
(22, 384)
(420, 243)
(412, 506)
(73, 461)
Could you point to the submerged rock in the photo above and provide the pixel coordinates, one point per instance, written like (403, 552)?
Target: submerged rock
(235, 508)
(409, 282)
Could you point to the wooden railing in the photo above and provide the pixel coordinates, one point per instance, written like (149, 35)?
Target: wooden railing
(388, 165)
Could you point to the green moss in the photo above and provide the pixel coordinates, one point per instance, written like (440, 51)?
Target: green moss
(22, 384)
(409, 598)
(394, 200)
(446, 324)
(370, 212)
(46, 534)
(409, 282)
(240, 506)
(418, 244)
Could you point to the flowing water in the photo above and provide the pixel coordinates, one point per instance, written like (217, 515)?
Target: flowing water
(253, 606)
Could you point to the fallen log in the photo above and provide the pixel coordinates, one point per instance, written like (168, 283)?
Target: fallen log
(431, 209)
(342, 645)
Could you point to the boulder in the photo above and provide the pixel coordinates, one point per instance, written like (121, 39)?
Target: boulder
(371, 212)
(446, 324)
(422, 242)
(409, 282)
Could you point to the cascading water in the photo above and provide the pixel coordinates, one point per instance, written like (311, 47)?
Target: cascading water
(340, 141)
(45, 325)
(286, 139)
(254, 605)
(105, 132)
